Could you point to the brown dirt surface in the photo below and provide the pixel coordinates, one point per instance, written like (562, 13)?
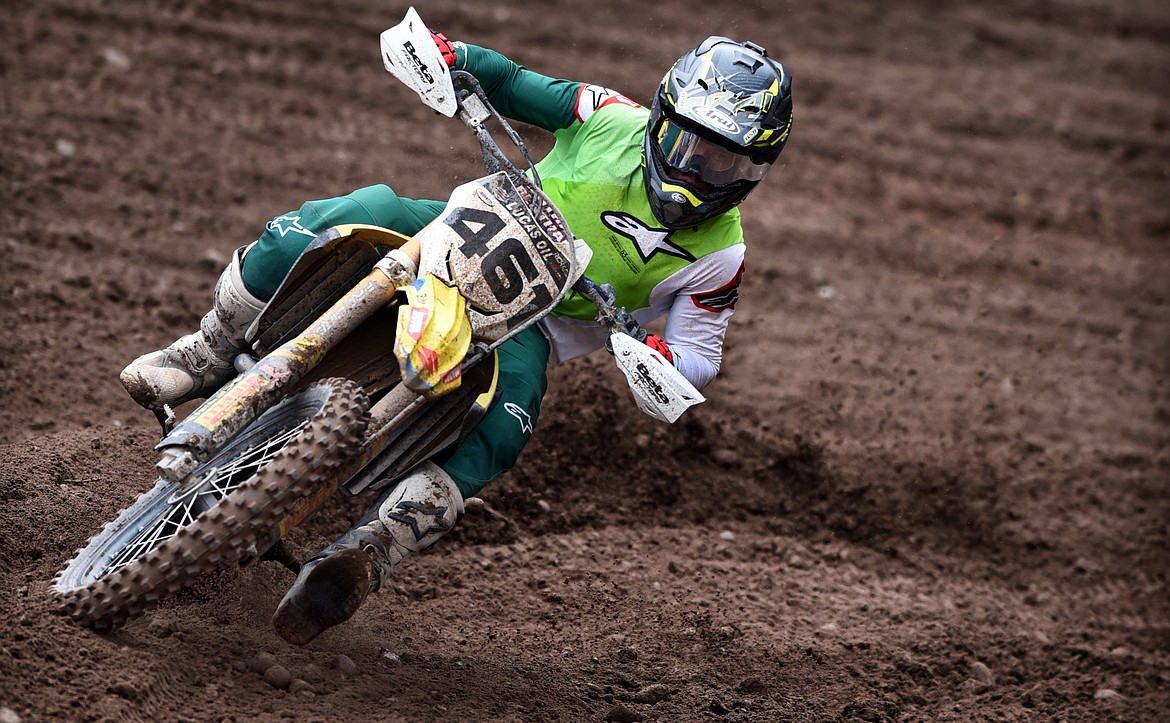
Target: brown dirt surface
(930, 484)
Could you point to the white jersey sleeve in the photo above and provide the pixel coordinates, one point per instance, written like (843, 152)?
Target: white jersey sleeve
(697, 301)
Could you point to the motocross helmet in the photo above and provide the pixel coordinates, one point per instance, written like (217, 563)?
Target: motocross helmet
(719, 120)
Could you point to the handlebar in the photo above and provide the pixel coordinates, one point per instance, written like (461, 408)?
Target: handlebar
(474, 110)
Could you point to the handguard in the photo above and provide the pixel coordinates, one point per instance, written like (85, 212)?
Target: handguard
(411, 56)
(433, 336)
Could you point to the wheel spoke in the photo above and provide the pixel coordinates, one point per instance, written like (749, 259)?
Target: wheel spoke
(220, 482)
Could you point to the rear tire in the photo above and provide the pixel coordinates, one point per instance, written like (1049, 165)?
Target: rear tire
(216, 516)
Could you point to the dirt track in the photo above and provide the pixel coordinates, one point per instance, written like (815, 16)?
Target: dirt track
(931, 483)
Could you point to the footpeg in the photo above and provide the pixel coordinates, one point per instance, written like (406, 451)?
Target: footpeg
(166, 418)
(279, 553)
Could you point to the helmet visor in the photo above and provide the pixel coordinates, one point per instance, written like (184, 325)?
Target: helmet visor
(688, 153)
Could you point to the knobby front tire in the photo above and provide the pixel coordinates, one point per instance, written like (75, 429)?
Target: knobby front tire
(215, 517)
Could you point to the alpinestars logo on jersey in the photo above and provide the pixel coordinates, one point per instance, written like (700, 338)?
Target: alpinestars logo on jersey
(648, 241)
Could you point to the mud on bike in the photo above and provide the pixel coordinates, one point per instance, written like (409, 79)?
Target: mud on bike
(359, 369)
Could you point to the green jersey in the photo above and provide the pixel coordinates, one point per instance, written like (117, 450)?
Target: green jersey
(594, 175)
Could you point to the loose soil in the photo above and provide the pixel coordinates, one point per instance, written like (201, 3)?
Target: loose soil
(930, 484)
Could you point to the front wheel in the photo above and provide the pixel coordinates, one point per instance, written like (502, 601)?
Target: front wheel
(216, 515)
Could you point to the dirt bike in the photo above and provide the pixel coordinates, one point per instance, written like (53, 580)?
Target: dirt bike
(358, 371)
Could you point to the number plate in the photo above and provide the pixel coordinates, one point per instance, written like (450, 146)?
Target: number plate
(511, 267)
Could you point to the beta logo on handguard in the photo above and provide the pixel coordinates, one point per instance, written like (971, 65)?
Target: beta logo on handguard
(647, 382)
(419, 65)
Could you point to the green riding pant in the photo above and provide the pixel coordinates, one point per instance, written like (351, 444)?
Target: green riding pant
(494, 445)
(275, 252)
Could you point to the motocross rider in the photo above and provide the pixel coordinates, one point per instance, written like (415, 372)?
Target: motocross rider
(653, 191)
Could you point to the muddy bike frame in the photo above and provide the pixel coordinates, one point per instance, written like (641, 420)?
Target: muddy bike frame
(524, 212)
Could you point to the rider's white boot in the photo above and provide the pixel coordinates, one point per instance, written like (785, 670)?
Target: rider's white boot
(333, 583)
(197, 364)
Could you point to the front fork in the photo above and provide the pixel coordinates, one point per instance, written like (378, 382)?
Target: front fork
(242, 400)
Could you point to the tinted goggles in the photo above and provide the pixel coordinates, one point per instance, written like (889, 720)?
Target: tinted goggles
(687, 152)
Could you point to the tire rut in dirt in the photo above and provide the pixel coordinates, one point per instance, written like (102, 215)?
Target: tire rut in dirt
(229, 531)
